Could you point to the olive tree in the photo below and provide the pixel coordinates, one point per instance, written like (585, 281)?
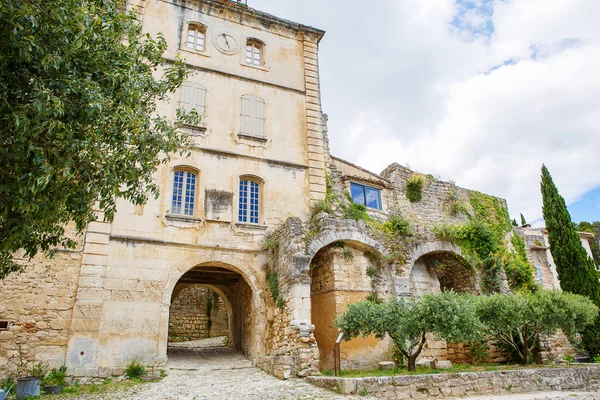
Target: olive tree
(518, 320)
(79, 128)
(407, 321)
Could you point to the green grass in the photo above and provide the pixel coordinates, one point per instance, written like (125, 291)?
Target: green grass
(455, 369)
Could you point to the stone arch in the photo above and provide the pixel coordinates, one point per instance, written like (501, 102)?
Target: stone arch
(335, 282)
(437, 246)
(214, 259)
(326, 238)
(456, 272)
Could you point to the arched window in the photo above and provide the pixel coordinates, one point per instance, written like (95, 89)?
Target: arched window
(252, 116)
(184, 192)
(254, 52)
(196, 37)
(249, 201)
(193, 96)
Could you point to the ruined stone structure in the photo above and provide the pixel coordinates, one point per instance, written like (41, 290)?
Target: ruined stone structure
(243, 216)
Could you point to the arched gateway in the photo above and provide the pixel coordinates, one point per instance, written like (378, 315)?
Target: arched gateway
(236, 283)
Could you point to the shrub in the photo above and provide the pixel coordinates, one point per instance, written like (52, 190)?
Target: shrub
(407, 321)
(356, 212)
(517, 321)
(414, 187)
(135, 370)
(56, 377)
(397, 225)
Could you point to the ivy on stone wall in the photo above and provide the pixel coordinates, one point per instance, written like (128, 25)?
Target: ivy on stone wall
(273, 282)
(519, 270)
(271, 245)
(483, 241)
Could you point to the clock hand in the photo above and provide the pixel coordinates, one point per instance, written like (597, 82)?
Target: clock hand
(225, 37)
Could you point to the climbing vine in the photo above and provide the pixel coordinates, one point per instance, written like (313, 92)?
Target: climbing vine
(482, 239)
(519, 270)
(273, 282)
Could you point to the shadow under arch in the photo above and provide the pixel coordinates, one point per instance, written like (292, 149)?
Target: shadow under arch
(226, 262)
(440, 266)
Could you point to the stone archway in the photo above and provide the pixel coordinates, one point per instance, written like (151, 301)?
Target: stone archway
(441, 269)
(341, 274)
(237, 284)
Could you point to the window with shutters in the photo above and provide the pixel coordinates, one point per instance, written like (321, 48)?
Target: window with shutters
(249, 200)
(193, 97)
(252, 118)
(184, 192)
(196, 37)
(255, 52)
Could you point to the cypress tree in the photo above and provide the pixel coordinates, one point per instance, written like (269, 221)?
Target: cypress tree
(514, 222)
(576, 270)
(523, 222)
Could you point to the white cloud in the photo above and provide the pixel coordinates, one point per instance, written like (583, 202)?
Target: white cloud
(401, 83)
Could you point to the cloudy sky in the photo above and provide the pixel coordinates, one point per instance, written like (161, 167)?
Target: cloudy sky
(481, 92)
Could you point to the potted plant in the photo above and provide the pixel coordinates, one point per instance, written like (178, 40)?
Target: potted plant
(29, 379)
(55, 380)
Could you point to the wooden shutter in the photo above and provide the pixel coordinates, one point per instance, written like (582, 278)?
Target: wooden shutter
(193, 96)
(252, 116)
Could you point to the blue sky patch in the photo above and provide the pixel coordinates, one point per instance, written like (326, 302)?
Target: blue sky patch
(473, 19)
(588, 208)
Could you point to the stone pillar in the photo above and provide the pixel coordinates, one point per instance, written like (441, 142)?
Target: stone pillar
(85, 326)
(314, 120)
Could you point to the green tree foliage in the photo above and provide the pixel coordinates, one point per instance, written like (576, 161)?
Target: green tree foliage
(514, 222)
(79, 86)
(447, 315)
(523, 221)
(518, 320)
(576, 270)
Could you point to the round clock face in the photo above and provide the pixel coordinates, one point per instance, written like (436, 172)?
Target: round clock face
(226, 44)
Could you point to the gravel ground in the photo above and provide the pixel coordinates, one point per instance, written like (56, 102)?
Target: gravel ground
(204, 369)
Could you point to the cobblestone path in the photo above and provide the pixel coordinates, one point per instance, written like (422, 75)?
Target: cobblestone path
(200, 371)
(204, 369)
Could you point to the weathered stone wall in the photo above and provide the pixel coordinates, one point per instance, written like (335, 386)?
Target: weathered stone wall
(466, 384)
(38, 304)
(339, 278)
(434, 207)
(189, 315)
(554, 348)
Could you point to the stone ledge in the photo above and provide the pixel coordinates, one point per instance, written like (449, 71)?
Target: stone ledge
(466, 383)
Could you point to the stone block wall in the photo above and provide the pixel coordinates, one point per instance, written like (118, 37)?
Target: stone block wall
(189, 317)
(466, 384)
(38, 305)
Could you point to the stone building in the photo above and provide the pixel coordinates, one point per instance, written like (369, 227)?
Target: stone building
(258, 214)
